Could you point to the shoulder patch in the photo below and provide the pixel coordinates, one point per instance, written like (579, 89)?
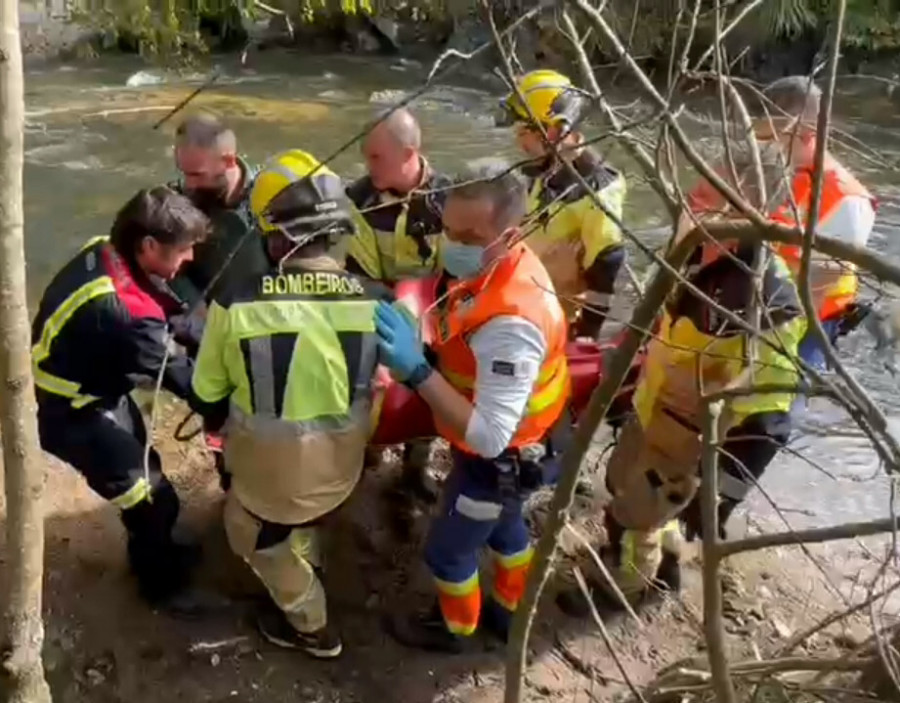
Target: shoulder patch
(503, 368)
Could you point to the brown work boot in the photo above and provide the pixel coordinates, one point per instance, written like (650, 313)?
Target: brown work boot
(324, 643)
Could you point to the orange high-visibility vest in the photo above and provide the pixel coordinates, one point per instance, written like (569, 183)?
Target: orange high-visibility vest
(837, 183)
(518, 285)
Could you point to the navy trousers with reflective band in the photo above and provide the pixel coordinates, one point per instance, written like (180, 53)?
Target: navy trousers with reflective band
(474, 515)
(106, 445)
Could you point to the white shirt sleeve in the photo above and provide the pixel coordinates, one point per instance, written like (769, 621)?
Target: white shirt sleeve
(508, 353)
(851, 222)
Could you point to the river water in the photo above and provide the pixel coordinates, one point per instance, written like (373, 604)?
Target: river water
(91, 144)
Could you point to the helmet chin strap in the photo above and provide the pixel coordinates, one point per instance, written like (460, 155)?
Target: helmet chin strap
(299, 241)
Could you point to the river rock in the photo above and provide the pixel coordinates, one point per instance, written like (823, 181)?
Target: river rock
(142, 78)
(471, 33)
(782, 630)
(387, 97)
(366, 34)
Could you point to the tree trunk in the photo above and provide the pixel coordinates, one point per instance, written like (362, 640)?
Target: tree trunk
(22, 633)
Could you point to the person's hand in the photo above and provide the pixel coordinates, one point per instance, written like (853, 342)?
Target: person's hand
(400, 347)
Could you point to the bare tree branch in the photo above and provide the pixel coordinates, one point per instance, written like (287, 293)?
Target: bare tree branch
(712, 587)
(819, 534)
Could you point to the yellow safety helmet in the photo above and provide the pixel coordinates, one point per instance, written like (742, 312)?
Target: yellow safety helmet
(293, 193)
(550, 97)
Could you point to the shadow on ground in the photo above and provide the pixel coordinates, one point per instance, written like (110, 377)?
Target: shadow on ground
(104, 644)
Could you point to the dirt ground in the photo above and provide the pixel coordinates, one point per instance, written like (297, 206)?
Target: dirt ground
(103, 645)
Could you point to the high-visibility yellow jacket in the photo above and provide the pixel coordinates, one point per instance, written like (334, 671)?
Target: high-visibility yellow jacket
(289, 358)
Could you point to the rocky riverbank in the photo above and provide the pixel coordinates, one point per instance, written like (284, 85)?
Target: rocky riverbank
(104, 645)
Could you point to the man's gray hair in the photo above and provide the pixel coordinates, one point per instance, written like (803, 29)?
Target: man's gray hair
(774, 167)
(206, 132)
(793, 96)
(495, 181)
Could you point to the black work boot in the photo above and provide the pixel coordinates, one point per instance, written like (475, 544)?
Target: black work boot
(162, 570)
(426, 631)
(324, 643)
(495, 619)
(161, 565)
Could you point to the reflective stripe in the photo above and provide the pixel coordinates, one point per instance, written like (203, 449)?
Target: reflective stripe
(480, 510)
(502, 600)
(263, 376)
(138, 492)
(511, 561)
(368, 360)
(60, 386)
(510, 574)
(277, 427)
(458, 588)
(94, 240)
(732, 487)
(375, 412)
(551, 393)
(395, 261)
(592, 297)
(629, 547)
(299, 603)
(551, 385)
(53, 325)
(275, 316)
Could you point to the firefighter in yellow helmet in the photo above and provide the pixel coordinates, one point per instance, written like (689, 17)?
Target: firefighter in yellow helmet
(285, 366)
(577, 241)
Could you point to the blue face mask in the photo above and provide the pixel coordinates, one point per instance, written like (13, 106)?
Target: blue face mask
(461, 260)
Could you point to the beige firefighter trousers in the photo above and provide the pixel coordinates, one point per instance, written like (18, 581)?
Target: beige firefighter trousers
(652, 475)
(286, 569)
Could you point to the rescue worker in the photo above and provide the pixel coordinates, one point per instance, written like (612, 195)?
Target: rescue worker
(288, 360)
(579, 244)
(217, 181)
(498, 388)
(653, 473)
(101, 327)
(398, 214)
(846, 211)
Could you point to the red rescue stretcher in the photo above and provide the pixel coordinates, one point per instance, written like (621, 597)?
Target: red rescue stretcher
(402, 415)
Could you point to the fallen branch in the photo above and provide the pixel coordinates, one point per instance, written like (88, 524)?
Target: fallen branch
(582, 584)
(589, 671)
(801, 637)
(611, 582)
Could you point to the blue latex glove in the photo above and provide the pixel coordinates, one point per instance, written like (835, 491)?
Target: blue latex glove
(401, 350)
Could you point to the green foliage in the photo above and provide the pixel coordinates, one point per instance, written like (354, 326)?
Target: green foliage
(869, 24)
(171, 28)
